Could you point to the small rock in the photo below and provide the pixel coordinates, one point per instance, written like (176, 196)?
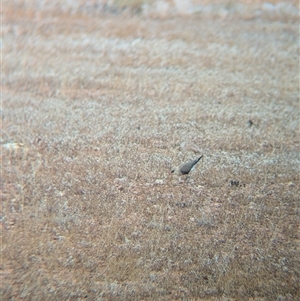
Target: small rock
(250, 123)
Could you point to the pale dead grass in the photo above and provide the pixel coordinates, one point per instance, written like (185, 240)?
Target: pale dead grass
(96, 112)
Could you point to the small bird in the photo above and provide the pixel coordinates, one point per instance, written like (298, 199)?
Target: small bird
(185, 168)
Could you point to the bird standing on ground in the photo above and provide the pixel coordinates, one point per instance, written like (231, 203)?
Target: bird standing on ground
(185, 168)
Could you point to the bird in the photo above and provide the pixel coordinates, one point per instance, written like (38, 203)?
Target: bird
(185, 168)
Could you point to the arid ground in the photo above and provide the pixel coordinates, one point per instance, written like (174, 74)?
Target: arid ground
(100, 102)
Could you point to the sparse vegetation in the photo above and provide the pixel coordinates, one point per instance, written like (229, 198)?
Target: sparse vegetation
(99, 107)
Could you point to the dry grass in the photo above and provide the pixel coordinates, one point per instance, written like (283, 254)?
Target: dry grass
(97, 109)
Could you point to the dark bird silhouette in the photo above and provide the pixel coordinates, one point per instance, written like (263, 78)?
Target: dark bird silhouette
(185, 168)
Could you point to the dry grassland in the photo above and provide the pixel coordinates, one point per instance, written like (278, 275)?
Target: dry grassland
(99, 107)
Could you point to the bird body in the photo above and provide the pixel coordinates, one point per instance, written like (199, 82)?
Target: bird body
(185, 168)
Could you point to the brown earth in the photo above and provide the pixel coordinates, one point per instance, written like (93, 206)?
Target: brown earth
(98, 107)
